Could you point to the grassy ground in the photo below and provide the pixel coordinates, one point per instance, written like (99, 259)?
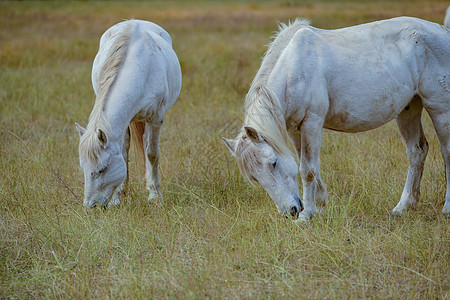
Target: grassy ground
(214, 236)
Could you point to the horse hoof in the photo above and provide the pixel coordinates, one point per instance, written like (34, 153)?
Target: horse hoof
(114, 203)
(446, 209)
(303, 218)
(154, 197)
(395, 214)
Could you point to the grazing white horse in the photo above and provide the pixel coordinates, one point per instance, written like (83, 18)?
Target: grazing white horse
(137, 77)
(352, 79)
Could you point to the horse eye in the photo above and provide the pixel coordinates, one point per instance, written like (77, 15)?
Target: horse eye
(101, 171)
(275, 163)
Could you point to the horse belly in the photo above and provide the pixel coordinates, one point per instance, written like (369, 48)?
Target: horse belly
(348, 122)
(360, 101)
(362, 114)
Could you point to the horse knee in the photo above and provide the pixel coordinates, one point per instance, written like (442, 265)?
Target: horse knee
(310, 176)
(153, 154)
(417, 152)
(422, 145)
(307, 172)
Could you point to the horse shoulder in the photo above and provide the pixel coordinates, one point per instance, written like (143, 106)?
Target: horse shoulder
(304, 62)
(310, 50)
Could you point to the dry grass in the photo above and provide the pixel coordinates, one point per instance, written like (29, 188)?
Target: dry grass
(214, 236)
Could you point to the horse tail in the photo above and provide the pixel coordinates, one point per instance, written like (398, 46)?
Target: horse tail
(447, 18)
(137, 134)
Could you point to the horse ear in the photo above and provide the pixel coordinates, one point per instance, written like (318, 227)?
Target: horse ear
(253, 134)
(102, 137)
(231, 145)
(80, 129)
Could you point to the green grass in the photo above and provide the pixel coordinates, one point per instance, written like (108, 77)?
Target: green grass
(214, 236)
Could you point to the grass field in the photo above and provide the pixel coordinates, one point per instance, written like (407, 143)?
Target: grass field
(214, 236)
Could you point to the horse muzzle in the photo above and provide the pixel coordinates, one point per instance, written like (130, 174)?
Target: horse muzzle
(99, 200)
(296, 209)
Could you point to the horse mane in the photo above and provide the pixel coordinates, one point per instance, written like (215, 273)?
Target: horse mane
(279, 42)
(263, 113)
(262, 107)
(90, 146)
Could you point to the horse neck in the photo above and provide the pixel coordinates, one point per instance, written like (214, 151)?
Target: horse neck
(119, 116)
(112, 118)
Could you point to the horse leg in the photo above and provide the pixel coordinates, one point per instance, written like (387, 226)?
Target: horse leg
(310, 142)
(441, 120)
(321, 191)
(123, 186)
(409, 123)
(151, 149)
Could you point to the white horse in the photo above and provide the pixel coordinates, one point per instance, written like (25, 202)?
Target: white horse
(136, 77)
(352, 79)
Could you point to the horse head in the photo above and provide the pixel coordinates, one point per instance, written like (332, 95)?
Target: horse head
(103, 165)
(276, 172)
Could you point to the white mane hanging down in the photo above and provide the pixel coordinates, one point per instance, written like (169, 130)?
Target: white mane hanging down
(262, 107)
(89, 143)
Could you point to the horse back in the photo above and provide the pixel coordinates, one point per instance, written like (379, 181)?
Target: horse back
(149, 75)
(364, 75)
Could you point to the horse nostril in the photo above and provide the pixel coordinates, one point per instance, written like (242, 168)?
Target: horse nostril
(294, 211)
(300, 204)
(89, 207)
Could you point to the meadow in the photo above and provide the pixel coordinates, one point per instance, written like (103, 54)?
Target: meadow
(214, 235)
